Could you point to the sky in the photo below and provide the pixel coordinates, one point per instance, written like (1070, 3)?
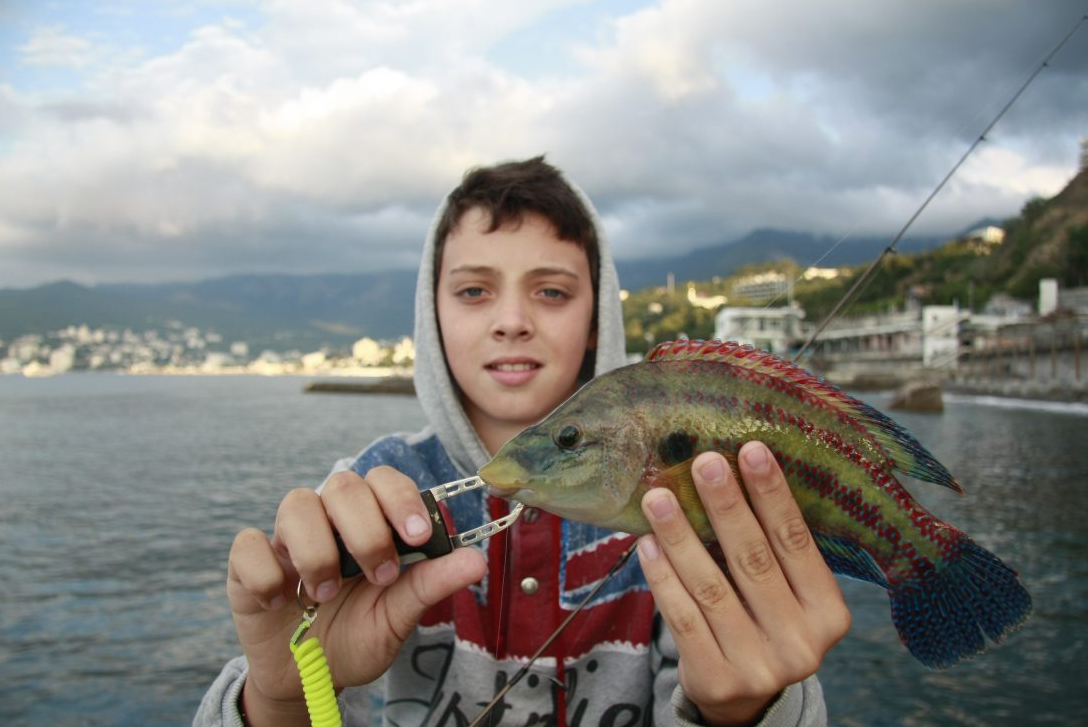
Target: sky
(156, 140)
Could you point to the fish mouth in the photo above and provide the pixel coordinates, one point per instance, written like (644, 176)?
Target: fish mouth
(504, 476)
(503, 494)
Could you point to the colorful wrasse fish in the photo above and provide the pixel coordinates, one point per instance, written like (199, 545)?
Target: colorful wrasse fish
(638, 427)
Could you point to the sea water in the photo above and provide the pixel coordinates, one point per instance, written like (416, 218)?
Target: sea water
(120, 495)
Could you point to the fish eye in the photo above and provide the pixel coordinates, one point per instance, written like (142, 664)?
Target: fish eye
(568, 436)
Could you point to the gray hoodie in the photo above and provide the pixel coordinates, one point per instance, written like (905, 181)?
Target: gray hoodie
(616, 662)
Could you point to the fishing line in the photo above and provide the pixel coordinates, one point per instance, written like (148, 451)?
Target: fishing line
(500, 626)
(865, 277)
(555, 634)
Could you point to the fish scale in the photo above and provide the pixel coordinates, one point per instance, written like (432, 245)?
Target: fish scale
(640, 426)
(841, 449)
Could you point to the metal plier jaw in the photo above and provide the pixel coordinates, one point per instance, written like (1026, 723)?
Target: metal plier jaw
(441, 541)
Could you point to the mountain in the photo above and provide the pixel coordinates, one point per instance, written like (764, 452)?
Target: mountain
(310, 311)
(268, 311)
(764, 245)
(1048, 239)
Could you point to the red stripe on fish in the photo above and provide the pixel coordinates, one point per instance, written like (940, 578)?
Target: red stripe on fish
(902, 450)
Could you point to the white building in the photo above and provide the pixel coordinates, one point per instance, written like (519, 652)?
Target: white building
(25, 349)
(367, 352)
(313, 361)
(989, 234)
(763, 287)
(62, 358)
(940, 335)
(815, 273)
(701, 300)
(777, 330)
(215, 360)
(1048, 296)
(404, 352)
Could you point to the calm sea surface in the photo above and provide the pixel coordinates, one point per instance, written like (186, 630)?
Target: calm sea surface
(120, 495)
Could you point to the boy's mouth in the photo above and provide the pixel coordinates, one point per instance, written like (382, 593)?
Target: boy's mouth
(513, 372)
(513, 366)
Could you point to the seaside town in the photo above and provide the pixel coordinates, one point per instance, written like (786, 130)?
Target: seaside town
(1010, 347)
(189, 350)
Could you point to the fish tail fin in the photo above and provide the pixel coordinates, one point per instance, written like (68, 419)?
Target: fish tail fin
(942, 616)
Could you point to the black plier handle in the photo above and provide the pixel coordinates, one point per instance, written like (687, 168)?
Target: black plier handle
(441, 542)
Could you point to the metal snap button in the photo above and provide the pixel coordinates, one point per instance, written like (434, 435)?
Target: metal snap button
(529, 585)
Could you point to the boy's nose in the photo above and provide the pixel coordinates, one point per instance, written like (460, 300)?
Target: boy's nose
(512, 321)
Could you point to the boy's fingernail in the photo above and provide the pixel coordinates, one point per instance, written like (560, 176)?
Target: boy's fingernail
(661, 506)
(326, 590)
(712, 471)
(386, 573)
(415, 526)
(647, 545)
(755, 456)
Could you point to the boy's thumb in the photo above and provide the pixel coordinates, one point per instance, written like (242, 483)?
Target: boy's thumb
(429, 582)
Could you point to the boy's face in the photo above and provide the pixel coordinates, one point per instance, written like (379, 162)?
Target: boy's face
(515, 307)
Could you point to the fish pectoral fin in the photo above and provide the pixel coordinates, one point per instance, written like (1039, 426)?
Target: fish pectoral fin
(678, 479)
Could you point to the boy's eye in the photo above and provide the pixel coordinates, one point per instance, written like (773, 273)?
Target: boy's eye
(471, 292)
(553, 293)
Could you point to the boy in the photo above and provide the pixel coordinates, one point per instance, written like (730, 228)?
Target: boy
(517, 304)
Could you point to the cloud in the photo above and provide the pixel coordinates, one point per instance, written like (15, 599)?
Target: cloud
(52, 46)
(321, 136)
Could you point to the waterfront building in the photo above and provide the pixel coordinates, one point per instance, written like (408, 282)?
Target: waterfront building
(777, 330)
(894, 344)
(890, 338)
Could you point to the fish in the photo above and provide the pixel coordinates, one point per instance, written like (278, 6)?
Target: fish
(639, 426)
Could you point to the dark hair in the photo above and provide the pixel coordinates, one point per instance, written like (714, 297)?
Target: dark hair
(506, 192)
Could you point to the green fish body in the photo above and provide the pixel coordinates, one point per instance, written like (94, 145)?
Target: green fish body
(596, 455)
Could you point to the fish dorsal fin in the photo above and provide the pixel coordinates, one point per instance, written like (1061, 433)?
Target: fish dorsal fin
(905, 452)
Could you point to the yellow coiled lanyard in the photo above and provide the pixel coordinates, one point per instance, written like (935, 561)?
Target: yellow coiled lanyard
(313, 668)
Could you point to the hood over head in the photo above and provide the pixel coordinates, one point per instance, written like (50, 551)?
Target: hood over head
(435, 388)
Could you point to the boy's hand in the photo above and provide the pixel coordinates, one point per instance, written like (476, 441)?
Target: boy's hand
(745, 636)
(361, 623)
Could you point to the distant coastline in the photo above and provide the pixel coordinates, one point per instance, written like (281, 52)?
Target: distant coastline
(333, 375)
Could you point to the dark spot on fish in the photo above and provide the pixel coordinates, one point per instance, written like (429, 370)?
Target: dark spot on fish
(676, 448)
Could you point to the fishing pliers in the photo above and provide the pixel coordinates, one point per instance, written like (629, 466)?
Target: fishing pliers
(442, 541)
